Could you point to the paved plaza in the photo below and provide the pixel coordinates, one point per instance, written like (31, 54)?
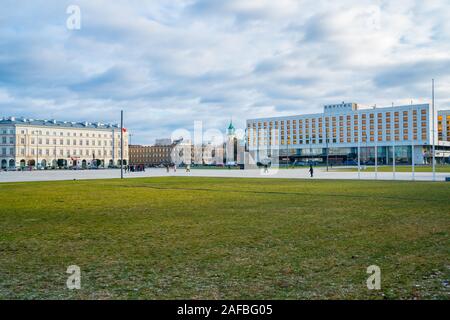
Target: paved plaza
(319, 173)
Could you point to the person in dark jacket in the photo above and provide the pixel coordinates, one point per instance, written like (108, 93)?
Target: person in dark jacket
(311, 170)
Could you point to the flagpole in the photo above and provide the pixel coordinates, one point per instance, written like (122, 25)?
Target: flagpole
(433, 120)
(121, 144)
(413, 162)
(376, 149)
(359, 145)
(393, 141)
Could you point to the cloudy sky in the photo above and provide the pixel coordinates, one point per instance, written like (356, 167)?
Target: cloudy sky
(168, 63)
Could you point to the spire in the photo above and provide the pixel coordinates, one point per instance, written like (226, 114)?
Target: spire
(231, 128)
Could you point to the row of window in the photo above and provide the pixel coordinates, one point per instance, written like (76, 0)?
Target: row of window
(69, 134)
(6, 151)
(154, 155)
(53, 152)
(69, 142)
(347, 133)
(6, 131)
(334, 124)
(386, 115)
(142, 151)
(40, 141)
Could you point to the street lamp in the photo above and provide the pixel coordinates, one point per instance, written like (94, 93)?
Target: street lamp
(121, 144)
(359, 146)
(326, 141)
(287, 154)
(130, 135)
(376, 151)
(433, 130)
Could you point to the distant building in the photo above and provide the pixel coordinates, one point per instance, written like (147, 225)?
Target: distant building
(444, 125)
(175, 152)
(183, 152)
(51, 143)
(343, 129)
(231, 145)
(150, 155)
(212, 154)
(163, 142)
(234, 147)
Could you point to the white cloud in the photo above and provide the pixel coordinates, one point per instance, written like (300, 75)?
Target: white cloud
(170, 63)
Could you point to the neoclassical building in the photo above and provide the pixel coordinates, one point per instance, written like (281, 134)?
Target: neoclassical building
(51, 143)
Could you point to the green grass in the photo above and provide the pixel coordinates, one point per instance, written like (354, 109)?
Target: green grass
(398, 168)
(212, 238)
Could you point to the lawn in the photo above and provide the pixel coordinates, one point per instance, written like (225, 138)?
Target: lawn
(224, 238)
(398, 168)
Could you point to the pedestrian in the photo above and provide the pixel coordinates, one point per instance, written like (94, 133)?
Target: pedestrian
(311, 170)
(167, 168)
(175, 167)
(265, 169)
(188, 168)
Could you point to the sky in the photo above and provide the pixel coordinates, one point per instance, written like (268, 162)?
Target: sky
(170, 63)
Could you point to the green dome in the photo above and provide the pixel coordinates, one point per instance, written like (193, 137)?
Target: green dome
(231, 128)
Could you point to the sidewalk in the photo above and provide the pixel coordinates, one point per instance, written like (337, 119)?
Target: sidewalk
(319, 173)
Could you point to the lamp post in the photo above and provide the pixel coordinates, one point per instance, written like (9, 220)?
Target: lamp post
(129, 136)
(433, 129)
(413, 163)
(121, 144)
(393, 140)
(327, 148)
(359, 146)
(376, 153)
(325, 127)
(365, 148)
(287, 154)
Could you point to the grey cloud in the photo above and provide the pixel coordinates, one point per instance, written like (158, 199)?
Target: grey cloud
(170, 63)
(411, 73)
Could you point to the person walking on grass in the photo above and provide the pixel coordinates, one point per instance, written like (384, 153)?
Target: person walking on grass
(311, 170)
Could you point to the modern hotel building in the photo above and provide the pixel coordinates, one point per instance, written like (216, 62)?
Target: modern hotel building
(50, 143)
(344, 129)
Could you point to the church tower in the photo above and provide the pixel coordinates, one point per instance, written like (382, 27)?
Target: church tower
(231, 131)
(231, 145)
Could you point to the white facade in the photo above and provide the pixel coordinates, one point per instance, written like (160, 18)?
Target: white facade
(444, 125)
(345, 126)
(50, 143)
